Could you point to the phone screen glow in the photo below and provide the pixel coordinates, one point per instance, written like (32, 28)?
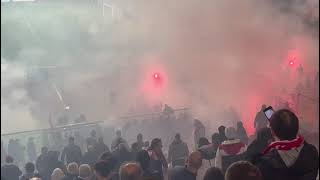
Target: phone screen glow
(269, 113)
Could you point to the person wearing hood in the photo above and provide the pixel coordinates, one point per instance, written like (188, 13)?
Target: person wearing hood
(178, 152)
(229, 151)
(289, 156)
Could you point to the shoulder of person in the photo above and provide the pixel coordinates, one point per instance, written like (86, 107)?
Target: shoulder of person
(271, 160)
(310, 148)
(308, 157)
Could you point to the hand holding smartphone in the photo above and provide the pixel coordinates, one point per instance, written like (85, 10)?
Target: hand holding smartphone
(268, 112)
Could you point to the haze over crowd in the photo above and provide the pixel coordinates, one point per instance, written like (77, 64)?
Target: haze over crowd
(211, 56)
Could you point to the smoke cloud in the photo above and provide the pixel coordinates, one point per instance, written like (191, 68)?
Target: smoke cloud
(212, 55)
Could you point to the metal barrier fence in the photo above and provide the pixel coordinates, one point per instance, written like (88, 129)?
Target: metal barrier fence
(71, 127)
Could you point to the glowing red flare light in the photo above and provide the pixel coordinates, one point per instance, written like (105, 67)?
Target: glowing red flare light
(156, 76)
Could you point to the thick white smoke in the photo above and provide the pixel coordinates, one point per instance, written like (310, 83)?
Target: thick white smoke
(214, 54)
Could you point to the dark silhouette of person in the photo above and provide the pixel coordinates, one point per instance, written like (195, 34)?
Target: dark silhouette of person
(290, 156)
(42, 162)
(31, 149)
(260, 120)
(256, 148)
(10, 171)
(29, 171)
(143, 159)
(178, 152)
(101, 147)
(158, 160)
(242, 133)
(140, 143)
(71, 153)
(222, 135)
(53, 162)
(90, 157)
(122, 155)
(92, 140)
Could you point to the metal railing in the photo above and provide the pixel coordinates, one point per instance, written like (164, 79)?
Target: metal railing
(88, 124)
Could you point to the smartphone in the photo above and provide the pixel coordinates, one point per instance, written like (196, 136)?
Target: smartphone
(268, 112)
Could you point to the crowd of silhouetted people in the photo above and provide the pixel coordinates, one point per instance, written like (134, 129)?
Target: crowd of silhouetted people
(277, 151)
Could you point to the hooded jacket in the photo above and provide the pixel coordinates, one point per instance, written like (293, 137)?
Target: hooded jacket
(292, 160)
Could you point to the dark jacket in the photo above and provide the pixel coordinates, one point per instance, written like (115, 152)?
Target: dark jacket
(122, 157)
(89, 158)
(178, 153)
(305, 167)
(101, 148)
(54, 163)
(254, 150)
(10, 171)
(42, 165)
(72, 153)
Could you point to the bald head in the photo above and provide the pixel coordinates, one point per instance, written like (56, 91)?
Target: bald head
(130, 171)
(195, 160)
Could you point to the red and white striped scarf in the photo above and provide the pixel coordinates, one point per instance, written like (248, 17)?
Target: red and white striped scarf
(285, 145)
